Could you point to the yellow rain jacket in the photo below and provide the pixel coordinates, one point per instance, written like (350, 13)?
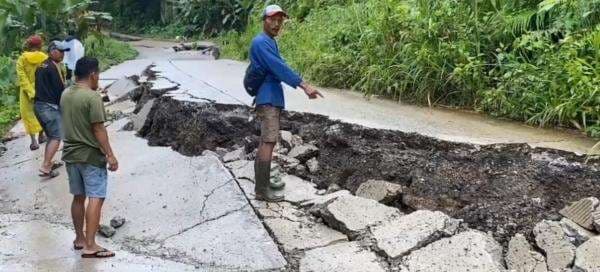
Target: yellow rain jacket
(27, 63)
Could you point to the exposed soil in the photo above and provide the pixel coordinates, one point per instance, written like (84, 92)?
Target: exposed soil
(503, 189)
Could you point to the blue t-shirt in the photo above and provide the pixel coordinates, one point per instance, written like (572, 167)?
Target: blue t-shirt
(264, 53)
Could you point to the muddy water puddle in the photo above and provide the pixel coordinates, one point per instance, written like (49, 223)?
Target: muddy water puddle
(502, 189)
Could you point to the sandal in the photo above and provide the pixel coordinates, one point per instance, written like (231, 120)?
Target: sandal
(34, 147)
(56, 165)
(76, 247)
(49, 175)
(98, 254)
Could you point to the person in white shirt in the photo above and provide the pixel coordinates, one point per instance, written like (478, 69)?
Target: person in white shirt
(76, 52)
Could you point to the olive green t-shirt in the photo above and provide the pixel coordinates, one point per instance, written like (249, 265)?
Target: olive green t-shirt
(80, 108)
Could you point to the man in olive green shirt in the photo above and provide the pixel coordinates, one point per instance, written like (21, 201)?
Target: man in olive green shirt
(87, 152)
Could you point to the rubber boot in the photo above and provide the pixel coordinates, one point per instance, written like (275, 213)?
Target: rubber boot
(276, 183)
(262, 189)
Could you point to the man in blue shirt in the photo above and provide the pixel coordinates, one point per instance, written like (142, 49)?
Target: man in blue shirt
(264, 54)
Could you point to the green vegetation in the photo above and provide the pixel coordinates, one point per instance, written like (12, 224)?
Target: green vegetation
(534, 61)
(9, 106)
(52, 20)
(108, 51)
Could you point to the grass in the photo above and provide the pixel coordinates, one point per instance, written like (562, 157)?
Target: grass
(109, 51)
(511, 59)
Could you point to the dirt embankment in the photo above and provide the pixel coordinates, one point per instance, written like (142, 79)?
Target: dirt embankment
(503, 189)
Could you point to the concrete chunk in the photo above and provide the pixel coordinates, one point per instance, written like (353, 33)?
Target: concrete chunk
(242, 169)
(575, 233)
(294, 231)
(588, 256)
(322, 199)
(351, 214)
(401, 236)
(471, 251)
(139, 119)
(581, 211)
(298, 190)
(304, 152)
(379, 190)
(235, 155)
(346, 257)
(551, 238)
(522, 258)
(312, 165)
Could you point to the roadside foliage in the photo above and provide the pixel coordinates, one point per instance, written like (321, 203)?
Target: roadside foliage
(533, 61)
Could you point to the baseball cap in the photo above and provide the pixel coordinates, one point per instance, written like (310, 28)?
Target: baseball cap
(58, 45)
(272, 10)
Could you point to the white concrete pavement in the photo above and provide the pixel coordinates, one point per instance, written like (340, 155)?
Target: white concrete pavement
(221, 80)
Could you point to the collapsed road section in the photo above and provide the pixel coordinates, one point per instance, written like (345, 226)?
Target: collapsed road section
(394, 201)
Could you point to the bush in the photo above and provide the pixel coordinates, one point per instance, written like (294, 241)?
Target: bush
(9, 102)
(535, 61)
(108, 51)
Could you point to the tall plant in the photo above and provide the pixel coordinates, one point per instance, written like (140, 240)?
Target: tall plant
(20, 18)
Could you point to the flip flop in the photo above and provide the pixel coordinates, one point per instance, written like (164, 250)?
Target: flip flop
(34, 147)
(49, 175)
(56, 165)
(76, 247)
(97, 255)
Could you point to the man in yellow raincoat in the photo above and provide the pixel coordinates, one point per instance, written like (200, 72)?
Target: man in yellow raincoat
(27, 64)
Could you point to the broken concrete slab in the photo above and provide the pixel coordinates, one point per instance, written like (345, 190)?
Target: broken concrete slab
(121, 88)
(287, 162)
(242, 169)
(322, 199)
(298, 190)
(304, 152)
(347, 257)
(380, 190)
(312, 165)
(471, 251)
(400, 236)
(522, 258)
(575, 233)
(162, 85)
(286, 139)
(139, 119)
(296, 232)
(235, 155)
(581, 211)
(352, 215)
(588, 256)
(226, 243)
(551, 238)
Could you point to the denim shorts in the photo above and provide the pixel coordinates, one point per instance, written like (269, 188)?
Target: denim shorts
(88, 180)
(49, 117)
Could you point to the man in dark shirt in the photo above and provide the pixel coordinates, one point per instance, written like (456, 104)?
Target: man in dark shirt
(49, 85)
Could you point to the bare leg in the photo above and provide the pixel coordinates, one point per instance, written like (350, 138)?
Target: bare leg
(51, 149)
(92, 220)
(265, 152)
(78, 215)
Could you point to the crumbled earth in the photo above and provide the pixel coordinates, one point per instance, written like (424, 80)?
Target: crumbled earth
(503, 189)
